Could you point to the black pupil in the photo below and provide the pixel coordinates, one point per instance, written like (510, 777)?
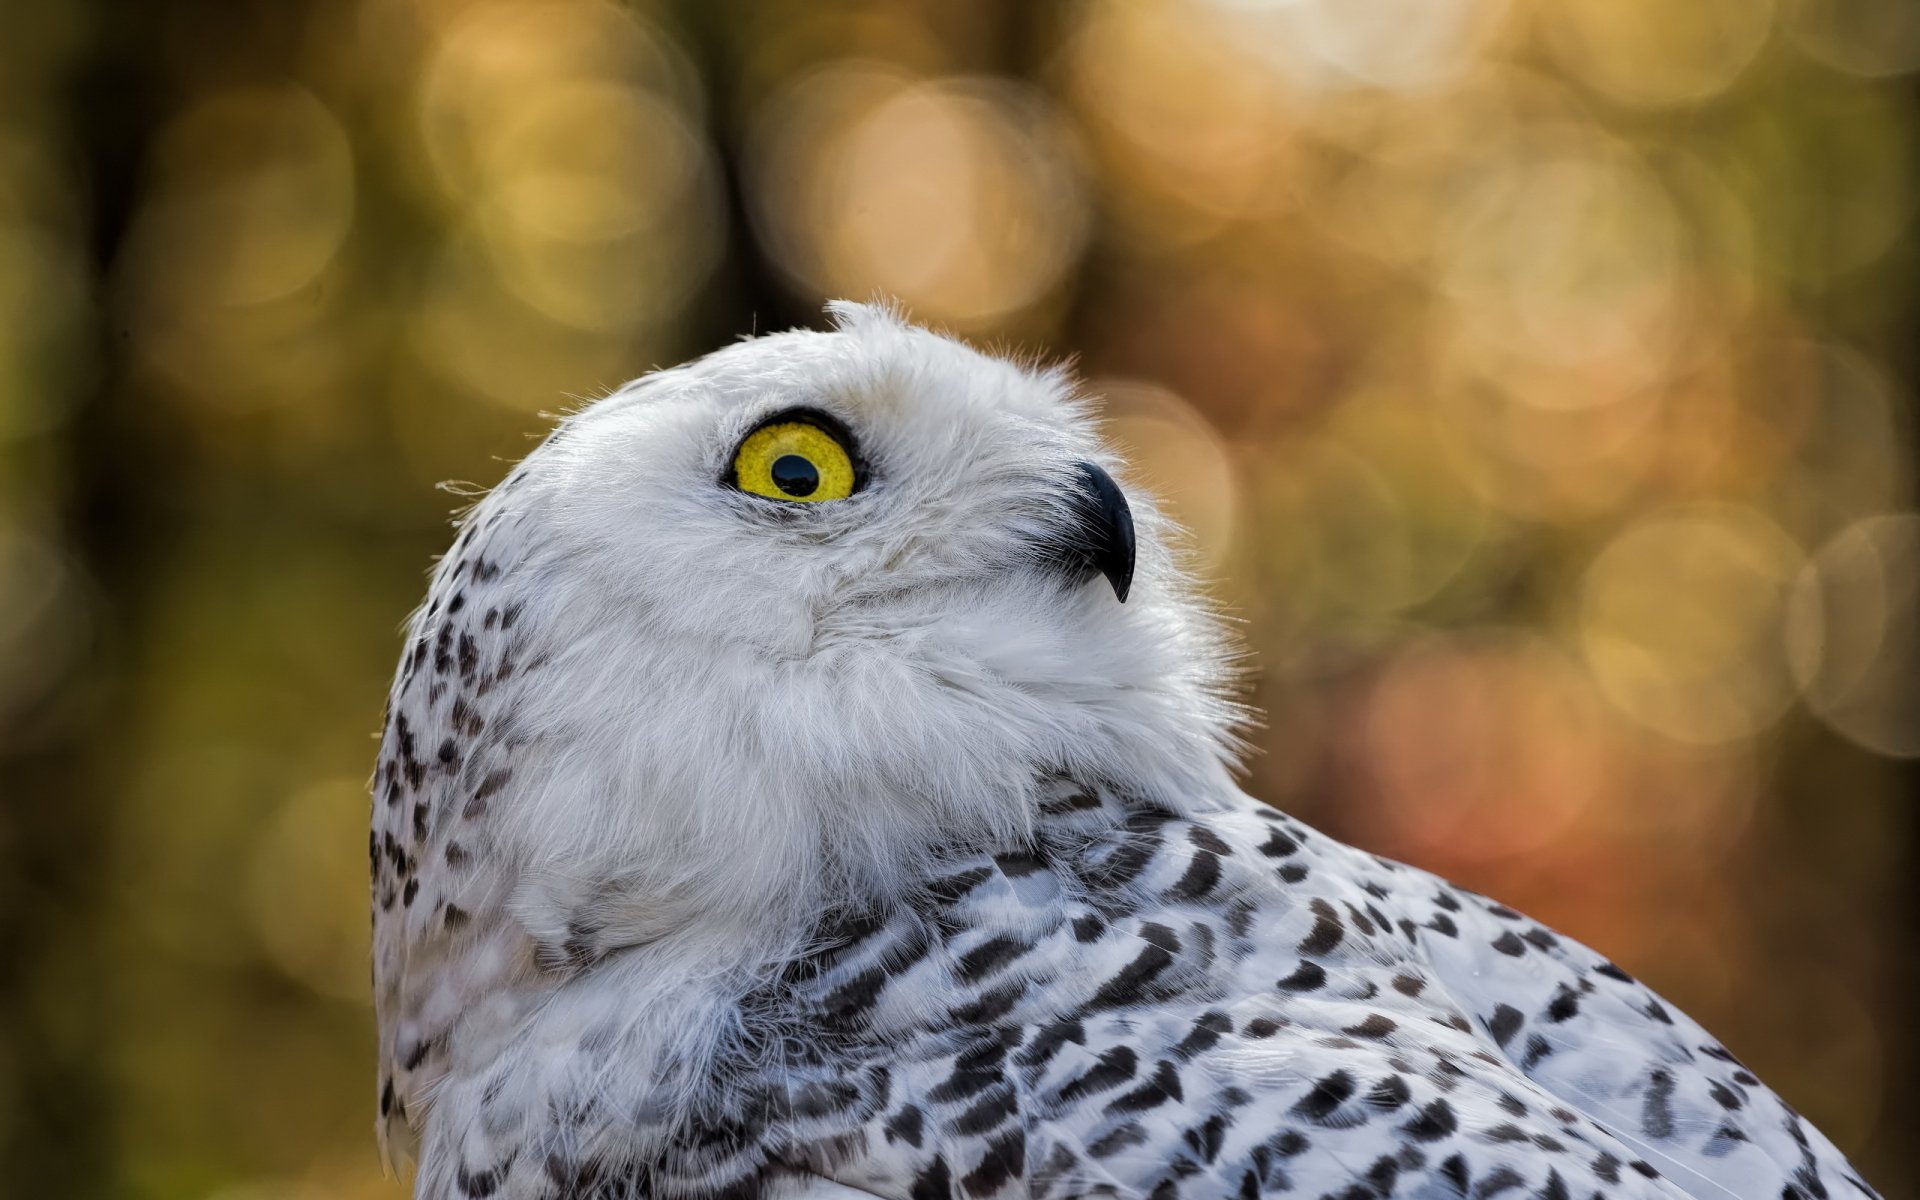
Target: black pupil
(795, 476)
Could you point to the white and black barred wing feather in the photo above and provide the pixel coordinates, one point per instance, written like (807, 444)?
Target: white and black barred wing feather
(1233, 1006)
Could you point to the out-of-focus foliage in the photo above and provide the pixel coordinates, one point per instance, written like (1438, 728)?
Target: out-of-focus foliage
(1534, 375)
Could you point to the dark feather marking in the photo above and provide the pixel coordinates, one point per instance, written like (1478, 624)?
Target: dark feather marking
(1132, 980)
(1377, 1025)
(1435, 1121)
(1566, 1002)
(1162, 1087)
(1504, 1023)
(1005, 1159)
(1115, 1067)
(1328, 1094)
(1306, 977)
(1327, 930)
(1206, 839)
(990, 1006)
(989, 956)
(1047, 1041)
(1656, 1110)
(906, 1126)
(1279, 845)
(1121, 1137)
(989, 1112)
(1204, 1035)
(1390, 1093)
(933, 1183)
(1202, 874)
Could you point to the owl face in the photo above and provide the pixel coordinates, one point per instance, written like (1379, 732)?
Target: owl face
(810, 498)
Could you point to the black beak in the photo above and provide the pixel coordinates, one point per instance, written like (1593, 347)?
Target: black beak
(1100, 539)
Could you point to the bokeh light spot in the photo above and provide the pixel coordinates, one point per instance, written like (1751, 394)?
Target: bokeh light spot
(1656, 53)
(44, 625)
(251, 202)
(1680, 617)
(41, 304)
(304, 873)
(255, 195)
(1569, 252)
(495, 61)
(1483, 745)
(1853, 634)
(1180, 458)
(1862, 37)
(1399, 44)
(961, 198)
(582, 199)
(1187, 117)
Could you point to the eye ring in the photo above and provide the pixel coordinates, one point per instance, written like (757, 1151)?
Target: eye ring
(797, 456)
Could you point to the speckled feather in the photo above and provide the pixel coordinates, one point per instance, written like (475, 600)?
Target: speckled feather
(989, 918)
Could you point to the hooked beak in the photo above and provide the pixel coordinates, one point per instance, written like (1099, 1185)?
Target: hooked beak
(1100, 539)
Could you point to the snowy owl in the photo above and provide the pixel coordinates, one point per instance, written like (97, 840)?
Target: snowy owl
(811, 775)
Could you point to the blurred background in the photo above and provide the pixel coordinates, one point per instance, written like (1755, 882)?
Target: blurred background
(1535, 375)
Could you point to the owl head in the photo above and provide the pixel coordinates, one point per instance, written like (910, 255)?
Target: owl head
(763, 635)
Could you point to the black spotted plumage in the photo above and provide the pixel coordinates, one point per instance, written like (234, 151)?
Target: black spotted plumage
(1074, 1018)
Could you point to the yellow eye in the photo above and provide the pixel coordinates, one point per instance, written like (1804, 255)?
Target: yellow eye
(794, 460)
